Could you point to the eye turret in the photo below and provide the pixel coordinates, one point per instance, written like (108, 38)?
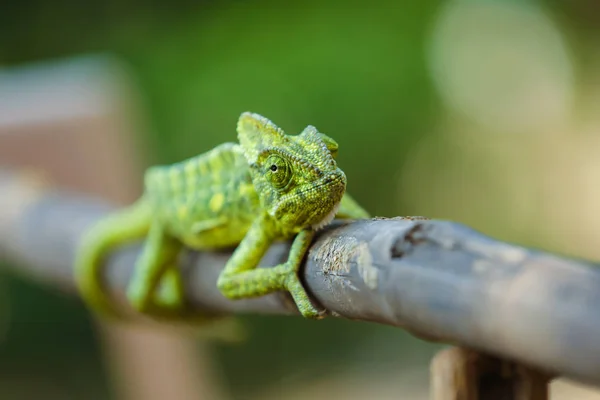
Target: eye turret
(279, 171)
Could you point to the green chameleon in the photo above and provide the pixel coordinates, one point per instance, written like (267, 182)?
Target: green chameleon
(271, 186)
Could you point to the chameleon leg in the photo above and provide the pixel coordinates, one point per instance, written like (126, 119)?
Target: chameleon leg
(292, 281)
(170, 290)
(159, 252)
(240, 279)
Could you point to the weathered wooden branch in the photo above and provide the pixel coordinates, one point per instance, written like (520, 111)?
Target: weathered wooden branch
(438, 279)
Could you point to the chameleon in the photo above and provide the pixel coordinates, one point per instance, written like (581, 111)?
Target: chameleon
(270, 186)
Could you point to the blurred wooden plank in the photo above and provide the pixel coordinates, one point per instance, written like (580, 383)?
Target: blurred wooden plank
(74, 121)
(461, 374)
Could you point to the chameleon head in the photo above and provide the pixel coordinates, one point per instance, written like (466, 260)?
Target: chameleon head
(296, 177)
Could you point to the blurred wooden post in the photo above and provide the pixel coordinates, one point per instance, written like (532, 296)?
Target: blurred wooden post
(74, 122)
(461, 374)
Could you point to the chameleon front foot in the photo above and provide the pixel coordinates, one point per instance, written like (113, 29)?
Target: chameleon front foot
(305, 306)
(263, 281)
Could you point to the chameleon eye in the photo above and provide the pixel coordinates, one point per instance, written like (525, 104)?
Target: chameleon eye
(279, 172)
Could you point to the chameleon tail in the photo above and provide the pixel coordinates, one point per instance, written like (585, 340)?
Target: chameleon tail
(120, 228)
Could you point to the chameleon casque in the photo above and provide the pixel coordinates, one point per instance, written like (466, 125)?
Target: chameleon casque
(271, 186)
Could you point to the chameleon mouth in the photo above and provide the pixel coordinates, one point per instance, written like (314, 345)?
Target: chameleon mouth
(328, 218)
(314, 206)
(337, 183)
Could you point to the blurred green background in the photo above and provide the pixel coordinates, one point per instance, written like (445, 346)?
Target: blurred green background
(484, 112)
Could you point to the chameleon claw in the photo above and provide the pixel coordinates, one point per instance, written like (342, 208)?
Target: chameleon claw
(301, 298)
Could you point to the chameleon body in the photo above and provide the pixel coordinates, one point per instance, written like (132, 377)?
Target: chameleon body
(271, 186)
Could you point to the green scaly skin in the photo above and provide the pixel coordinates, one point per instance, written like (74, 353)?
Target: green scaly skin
(271, 186)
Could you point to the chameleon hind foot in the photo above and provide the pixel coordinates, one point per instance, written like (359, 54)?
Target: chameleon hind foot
(169, 295)
(167, 299)
(156, 286)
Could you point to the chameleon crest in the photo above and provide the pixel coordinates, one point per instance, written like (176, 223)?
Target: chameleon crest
(271, 186)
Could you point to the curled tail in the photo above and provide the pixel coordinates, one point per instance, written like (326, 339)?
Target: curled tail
(118, 229)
